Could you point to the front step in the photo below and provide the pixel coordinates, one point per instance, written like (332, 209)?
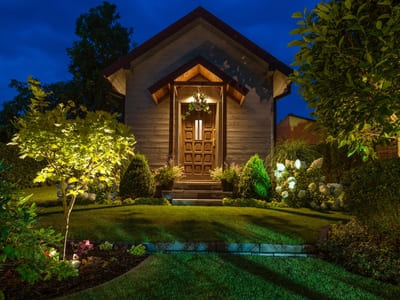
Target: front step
(207, 193)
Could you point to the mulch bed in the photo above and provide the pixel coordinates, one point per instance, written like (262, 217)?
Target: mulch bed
(103, 266)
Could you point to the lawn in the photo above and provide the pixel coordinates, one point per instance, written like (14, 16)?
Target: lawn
(212, 276)
(188, 223)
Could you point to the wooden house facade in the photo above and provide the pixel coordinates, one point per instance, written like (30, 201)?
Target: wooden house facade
(200, 94)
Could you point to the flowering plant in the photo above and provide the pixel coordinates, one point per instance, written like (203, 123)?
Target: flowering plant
(82, 248)
(165, 176)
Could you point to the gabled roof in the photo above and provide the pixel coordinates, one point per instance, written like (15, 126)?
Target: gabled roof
(199, 12)
(198, 66)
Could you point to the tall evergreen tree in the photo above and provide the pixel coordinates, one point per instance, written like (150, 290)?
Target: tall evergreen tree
(102, 41)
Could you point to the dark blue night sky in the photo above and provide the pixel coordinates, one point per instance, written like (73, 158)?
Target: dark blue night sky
(35, 34)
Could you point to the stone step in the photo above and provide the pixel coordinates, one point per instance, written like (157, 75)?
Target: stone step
(199, 194)
(197, 185)
(197, 202)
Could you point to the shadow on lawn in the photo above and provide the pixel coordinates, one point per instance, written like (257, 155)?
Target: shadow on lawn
(267, 274)
(323, 217)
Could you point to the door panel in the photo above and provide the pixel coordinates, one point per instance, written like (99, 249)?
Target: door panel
(197, 143)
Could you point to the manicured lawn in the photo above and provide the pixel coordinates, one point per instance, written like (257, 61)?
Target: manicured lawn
(45, 195)
(190, 223)
(212, 276)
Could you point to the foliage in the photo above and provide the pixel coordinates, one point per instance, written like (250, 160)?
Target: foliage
(361, 251)
(138, 181)
(244, 202)
(166, 175)
(102, 40)
(299, 185)
(291, 150)
(336, 160)
(149, 201)
(373, 195)
(348, 66)
(78, 150)
(199, 103)
(23, 248)
(23, 171)
(106, 246)
(138, 250)
(254, 181)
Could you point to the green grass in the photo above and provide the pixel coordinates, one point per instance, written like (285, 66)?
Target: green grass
(212, 276)
(46, 195)
(190, 223)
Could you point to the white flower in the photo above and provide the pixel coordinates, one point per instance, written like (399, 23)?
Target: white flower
(285, 194)
(323, 189)
(280, 167)
(278, 189)
(297, 164)
(312, 186)
(292, 185)
(301, 194)
(316, 164)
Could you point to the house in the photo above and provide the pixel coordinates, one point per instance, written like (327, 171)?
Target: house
(294, 127)
(199, 94)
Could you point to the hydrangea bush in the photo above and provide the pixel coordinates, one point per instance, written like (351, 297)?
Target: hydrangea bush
(299, 185)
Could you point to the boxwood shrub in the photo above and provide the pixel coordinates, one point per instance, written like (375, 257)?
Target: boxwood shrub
(138, 181)
(244, 202)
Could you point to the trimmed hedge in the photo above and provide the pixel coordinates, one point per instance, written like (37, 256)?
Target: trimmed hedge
(138, 181)
(22, 171)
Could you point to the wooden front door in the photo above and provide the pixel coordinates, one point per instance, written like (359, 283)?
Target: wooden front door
(197, 146)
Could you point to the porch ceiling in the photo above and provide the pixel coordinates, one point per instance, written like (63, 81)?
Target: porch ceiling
(198, 72)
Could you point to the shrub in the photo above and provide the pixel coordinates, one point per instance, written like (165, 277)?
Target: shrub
(361, 251)
(373, 195)
(150, 201)
(24, 249)
(244, 202)
(138, 250)
(137, 180)
(254, 181)
(291, 150)
(106, 246)
(23, 171)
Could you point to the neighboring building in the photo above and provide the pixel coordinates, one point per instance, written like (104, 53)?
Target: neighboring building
(294, 127)
(200, 54)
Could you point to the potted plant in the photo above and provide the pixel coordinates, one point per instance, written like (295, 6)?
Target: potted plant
(165, 177)
(229, 177)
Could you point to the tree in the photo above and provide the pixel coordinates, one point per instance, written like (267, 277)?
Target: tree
(79, 150)
(59, 92)
(102, 41)
(348, 70)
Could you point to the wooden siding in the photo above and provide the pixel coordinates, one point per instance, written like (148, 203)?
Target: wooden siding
(249, 128)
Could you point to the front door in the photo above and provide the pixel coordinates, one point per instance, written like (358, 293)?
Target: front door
(197, 146)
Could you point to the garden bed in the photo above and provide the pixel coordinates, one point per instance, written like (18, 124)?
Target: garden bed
(99, 267)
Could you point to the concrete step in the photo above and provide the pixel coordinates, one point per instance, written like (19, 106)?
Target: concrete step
(197, 202)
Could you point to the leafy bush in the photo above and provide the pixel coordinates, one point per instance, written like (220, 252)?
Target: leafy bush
(151, 201)
(336, 160)
(291, 150)
(23, 171)
(106, 246)
(373, 195)
(137, 250)
(254, 181)
(244, 202)
(299, 185)
(361, 251)
(28, 251)
(138, 180)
